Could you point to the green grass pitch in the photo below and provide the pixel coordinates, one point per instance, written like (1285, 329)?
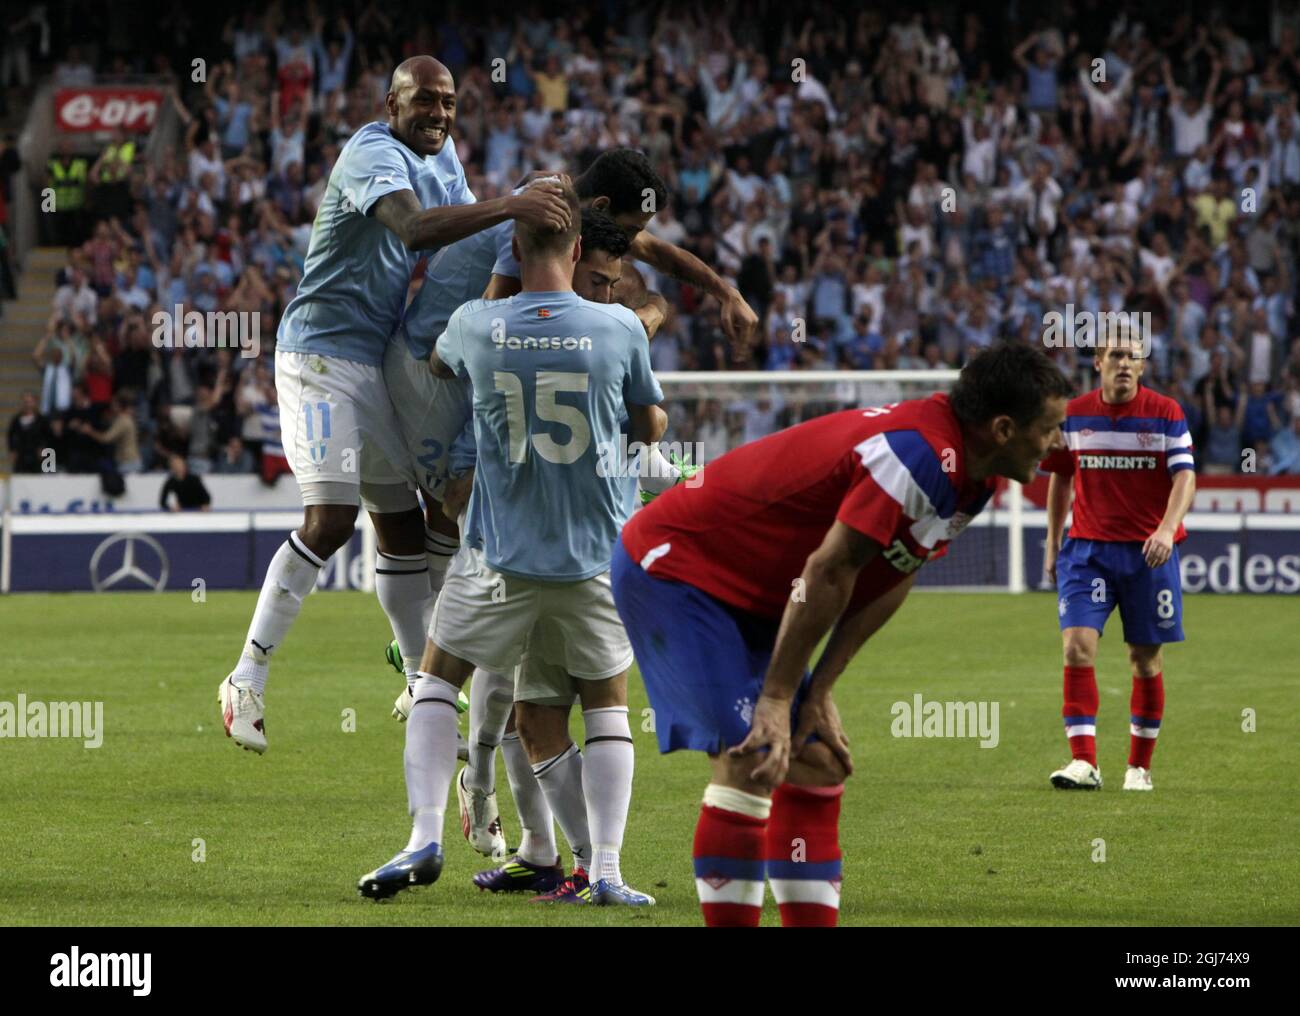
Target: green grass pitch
(934, 831)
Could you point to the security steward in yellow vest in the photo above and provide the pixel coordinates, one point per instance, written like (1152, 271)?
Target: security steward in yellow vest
(68, 174)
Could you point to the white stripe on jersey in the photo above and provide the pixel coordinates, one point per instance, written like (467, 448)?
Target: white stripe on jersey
(1113, 440)
(801, 890)
(737, 890)
(654, 554)
(896, 480)
(1181, 459)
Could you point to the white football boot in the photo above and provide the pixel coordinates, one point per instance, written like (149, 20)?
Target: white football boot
(479, 819)
(1080, 774)
(242, 714)
(402, 705)
(1137, 778)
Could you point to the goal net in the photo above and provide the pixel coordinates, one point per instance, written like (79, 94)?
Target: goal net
(709, 413)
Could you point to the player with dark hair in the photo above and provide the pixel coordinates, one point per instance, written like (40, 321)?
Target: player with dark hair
(397, 188)
(1128, 463)
(622, 182)
(726, 590)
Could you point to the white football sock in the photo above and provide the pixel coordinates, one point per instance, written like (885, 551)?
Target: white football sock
(438, 551)
(430, 757)
(402, 585)
(607, 786)
(561, 781)
(289, 578)
(491, 697)
(537, 845)
(659, 474)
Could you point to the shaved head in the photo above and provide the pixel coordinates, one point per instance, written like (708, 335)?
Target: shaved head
(417, 71)
(421, 104)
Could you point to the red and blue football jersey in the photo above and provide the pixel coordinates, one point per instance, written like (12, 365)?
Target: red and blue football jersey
(896, 474)
(1123, 458)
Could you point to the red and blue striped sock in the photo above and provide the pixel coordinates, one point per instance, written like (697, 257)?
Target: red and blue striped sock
(1147, 709)
(729, 857)
(1080, 712)
(803, 854)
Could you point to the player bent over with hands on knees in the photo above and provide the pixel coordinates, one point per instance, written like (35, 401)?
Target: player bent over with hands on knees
(1129, 466)
(726, 589)
(397, 188)
(552, 375)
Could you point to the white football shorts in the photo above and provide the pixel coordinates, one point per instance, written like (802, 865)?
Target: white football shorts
(488, 618)
(431, 413)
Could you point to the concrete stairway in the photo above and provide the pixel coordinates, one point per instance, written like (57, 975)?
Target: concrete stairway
(21, 326)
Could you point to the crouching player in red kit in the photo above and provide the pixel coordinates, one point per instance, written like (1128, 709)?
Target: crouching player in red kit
(727, 588)
(1130, 457)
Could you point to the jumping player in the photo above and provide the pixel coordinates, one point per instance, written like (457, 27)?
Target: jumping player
(726, 589)
(1129, 466)
(397, 188)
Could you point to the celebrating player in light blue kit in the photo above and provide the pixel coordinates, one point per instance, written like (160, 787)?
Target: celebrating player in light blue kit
(553, 375)
(396, 189)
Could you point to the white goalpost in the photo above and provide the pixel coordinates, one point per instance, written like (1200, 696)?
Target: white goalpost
(711, 412)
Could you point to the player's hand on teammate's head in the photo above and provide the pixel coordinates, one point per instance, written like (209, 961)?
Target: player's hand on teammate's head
(542, 206)
(544, 174)
(770, 730)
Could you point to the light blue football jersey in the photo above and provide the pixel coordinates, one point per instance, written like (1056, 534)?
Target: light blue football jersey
(454, 275)
(357, 271)
(551, 373)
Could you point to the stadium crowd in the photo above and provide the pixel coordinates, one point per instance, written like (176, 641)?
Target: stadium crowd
(887, 189)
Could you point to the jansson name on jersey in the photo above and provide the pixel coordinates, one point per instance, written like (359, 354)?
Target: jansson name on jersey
(529, 342)
(1117, 462)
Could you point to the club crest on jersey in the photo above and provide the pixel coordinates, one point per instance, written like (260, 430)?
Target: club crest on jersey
(1146, 438)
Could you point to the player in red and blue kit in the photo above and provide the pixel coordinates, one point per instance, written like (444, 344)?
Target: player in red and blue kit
(727, 588)
(1129, 459)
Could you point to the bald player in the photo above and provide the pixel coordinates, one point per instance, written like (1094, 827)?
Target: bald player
(397, 188)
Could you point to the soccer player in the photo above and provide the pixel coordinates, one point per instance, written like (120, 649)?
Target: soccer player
(726, 589)
(621, 183)
(600, 276)
(431, 412)
(397, 188)
(552, 375)
(1129, 466)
